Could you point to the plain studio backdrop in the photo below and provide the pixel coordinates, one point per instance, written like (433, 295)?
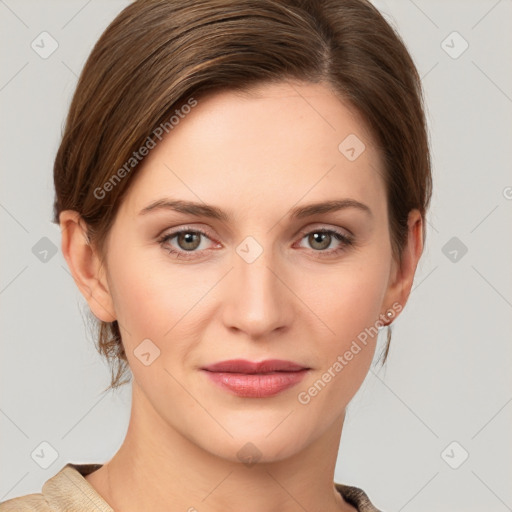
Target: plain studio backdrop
(430, 430)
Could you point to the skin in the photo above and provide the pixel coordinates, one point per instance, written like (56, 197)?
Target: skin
(277, 148)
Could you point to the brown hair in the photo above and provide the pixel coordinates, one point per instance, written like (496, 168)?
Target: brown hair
(157, 54)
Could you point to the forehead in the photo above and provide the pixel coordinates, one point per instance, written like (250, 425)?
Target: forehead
(275, 142)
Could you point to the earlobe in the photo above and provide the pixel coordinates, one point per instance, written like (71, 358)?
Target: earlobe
(403, 277)
(85, 266)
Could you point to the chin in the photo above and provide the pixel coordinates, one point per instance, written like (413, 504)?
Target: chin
(255, 444)
(257, 451)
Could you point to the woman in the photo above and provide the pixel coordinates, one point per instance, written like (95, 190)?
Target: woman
(242, 189)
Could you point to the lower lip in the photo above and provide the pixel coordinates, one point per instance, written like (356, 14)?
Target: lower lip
(256, 385)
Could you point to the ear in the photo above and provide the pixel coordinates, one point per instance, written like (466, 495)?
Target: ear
(402, 277)
(85, 266)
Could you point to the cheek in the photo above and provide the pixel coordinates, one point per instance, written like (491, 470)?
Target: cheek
(350, 306)
(358, 304)
(149, 306)
(349, 299)
(141, 297)
(157, 299)
(350, 309)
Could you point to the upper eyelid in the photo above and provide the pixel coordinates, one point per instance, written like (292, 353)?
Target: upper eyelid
(185, 230)
(302, 233)
(319, 226)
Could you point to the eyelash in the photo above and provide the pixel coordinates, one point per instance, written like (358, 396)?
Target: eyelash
(346, 242)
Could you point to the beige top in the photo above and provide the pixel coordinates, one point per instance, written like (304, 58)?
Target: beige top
(69, 491)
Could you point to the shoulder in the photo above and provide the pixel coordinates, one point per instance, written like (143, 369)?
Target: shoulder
(29, 502)
(65, 491)
(356, 497)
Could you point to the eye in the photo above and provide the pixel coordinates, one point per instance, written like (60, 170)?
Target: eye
(187, 241)
(321, 239)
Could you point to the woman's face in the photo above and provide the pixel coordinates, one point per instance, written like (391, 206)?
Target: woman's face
(262, 282)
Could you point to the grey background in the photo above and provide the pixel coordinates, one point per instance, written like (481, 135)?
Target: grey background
(448, 375)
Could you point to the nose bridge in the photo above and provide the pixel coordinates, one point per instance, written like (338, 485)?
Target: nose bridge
(257, 301)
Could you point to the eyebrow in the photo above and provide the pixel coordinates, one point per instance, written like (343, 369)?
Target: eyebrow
(299, 212)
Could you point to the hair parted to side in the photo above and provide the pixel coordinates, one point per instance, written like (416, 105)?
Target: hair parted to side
(158, 54)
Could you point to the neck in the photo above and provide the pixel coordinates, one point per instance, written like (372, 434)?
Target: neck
(158, 468)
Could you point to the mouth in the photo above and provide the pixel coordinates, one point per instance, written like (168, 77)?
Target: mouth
(255, 379)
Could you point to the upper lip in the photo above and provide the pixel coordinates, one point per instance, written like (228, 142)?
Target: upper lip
(244, 366)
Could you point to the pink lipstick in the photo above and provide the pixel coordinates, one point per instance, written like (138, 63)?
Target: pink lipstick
(256, 379)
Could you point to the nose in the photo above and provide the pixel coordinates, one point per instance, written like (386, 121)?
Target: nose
(257, 300)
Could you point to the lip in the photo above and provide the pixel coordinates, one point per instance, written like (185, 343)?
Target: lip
(249, 367)
(255, 379)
